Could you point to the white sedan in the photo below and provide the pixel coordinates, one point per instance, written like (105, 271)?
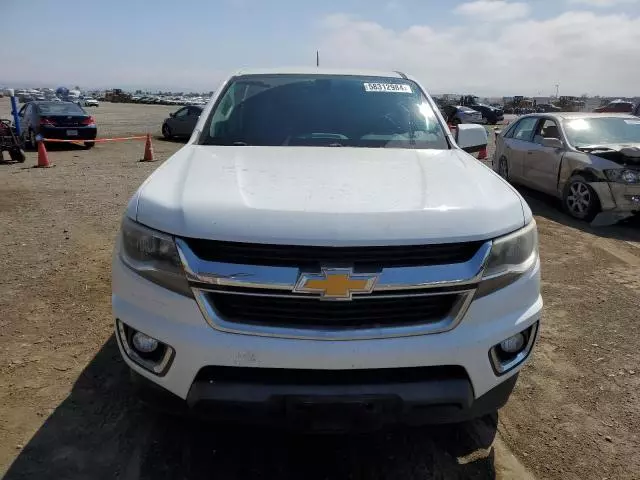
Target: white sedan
(88, 102)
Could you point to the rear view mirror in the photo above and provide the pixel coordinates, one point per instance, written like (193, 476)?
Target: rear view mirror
(471, 138)
(552, 143)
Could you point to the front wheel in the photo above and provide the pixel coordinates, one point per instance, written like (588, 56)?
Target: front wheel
(503, 168)
(166, 132)
(33, 143)
(580, 200)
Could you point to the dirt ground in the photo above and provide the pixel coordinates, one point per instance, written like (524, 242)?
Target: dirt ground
(66, 409)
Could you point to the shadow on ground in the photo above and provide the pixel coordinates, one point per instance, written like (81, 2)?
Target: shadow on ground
(551, 208)
(101, 432)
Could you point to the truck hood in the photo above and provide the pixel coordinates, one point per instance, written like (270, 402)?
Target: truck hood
(327, 196)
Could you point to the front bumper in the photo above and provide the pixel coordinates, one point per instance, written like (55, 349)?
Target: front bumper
(617, 200)
(335, 407)
(177, 320)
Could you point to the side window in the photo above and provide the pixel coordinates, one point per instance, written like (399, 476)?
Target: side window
(23, 111)
(510, 129)
(524, 129)
(194, 112)
(546, 129)
(183, 112)
(225, 105)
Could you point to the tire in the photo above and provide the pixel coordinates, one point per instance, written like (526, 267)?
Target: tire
(17, 155)
(88, 145)
(33, 145)
(579, 199)
(503, 168)
(166, 132)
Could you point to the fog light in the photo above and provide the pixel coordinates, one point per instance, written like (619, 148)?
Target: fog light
(144, 343)
(511, 352)
(511, 345)
(146, 351)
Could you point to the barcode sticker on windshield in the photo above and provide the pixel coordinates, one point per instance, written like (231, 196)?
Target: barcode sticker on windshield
(387, 87)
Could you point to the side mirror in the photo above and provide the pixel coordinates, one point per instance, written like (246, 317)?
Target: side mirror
(552, 143)
(471, 137)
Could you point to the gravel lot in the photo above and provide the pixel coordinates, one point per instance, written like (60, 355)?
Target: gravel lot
(65, 406)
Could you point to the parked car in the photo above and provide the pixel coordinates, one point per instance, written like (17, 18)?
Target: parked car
(262, 273)
(616, 106)
(457, 114)
(491, 115)
(591, 161)
(547, 108)
(88, 102)
(56, 120)
(636, 111)
(182, 122)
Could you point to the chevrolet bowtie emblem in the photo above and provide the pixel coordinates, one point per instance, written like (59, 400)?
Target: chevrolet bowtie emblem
(336, 283)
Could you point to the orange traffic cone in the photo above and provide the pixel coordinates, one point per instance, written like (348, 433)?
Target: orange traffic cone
(43, 157)
(148, 150)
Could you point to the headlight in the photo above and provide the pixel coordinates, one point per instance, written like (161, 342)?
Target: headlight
(510, 257)
(620, 175)
(153, 255)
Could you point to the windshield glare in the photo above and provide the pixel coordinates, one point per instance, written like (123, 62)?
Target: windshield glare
(60, 109)
(582, 132)
(323, 110)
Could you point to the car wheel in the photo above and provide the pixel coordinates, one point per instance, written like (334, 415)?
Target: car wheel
(166, 132)
(88, 145)
(33, 143)
(503, 168)
(580, 200)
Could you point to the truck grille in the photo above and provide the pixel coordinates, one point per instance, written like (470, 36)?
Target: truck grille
(302, 256)
(312, 313)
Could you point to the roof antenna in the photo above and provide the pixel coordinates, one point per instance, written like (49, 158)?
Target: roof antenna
(317, 58)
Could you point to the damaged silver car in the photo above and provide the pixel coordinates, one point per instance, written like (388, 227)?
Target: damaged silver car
(589, 160)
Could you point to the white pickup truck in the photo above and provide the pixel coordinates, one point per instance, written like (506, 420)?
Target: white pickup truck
(324, 254)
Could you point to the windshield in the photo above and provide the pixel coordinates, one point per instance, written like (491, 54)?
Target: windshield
(583, 132)
(324, 110)
(60, 109)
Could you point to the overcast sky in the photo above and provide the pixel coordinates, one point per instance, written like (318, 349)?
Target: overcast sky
(487, 47)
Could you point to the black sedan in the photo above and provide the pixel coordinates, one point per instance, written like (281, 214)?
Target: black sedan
(491, 115)
(182, 122)
(57, 120)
